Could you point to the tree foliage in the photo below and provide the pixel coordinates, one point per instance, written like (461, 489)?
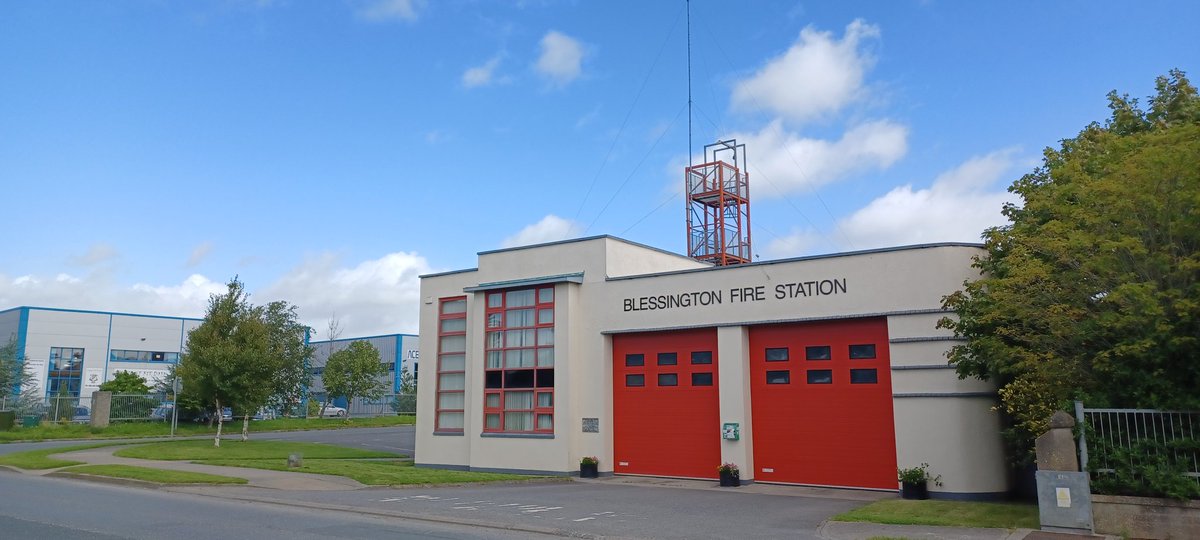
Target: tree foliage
(18, 386)
(355, 372)
(126, 382)
(1092, 290)
(242, 355)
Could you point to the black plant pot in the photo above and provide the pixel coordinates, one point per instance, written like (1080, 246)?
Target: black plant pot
(918, 491)
(729, 479)
(589, 471)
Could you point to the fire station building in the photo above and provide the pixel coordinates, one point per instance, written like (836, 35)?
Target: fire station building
(824, 371)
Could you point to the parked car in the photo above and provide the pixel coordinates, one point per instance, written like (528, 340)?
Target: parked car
(82, 415)
(162, 412)
(334, 411)
(206, 416)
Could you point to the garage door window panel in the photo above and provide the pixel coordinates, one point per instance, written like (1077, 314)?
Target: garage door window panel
(820, 376)
(862, 352)
(819, 352)
(864, 376)
(519, 352)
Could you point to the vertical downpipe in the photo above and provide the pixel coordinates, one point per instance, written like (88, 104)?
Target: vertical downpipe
(1083, 453)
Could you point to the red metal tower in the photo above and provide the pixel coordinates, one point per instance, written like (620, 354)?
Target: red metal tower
(718, 206)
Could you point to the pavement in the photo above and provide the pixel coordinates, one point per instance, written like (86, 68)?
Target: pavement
(304, 490)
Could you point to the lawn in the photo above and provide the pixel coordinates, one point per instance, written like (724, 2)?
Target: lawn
(122, 430)
(946, 513)
(39, 459)
(317, 458)
(160, 476)
(203, 449)
(377, 472)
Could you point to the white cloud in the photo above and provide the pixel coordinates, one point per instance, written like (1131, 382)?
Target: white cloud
(199, 253)
(561, 58)
(549, 229)
(96, 291)
(387, 10)
(377, 296)
(482, 75)
(957, 207)
(790, 163)
(818, 75)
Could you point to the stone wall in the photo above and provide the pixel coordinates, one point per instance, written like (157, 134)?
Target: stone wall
(1143, 517)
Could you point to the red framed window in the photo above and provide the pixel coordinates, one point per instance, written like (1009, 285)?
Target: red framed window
(519, 361)
(451, 363)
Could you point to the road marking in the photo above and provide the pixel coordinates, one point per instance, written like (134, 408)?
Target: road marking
(464, 508)
(603, 513)
(583, 519)
(393, 499)
(510, 504)
(543, 509)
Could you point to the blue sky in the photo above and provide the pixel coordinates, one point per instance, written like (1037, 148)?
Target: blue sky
(330, 152)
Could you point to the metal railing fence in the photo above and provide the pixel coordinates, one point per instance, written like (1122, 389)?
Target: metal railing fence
(1110, 439)
(387, 405)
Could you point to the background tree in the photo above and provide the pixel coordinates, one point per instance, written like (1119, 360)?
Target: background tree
(333, 330)
(1092, 291)
(289, 343)
(235, 356)
(355, 372)
(17, 385)
(406, 402)
(126, 382)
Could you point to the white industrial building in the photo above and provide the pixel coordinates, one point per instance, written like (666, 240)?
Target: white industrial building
(72, 352)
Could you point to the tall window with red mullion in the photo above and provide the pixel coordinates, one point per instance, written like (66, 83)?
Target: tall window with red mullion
(451, 363)
(519, 361)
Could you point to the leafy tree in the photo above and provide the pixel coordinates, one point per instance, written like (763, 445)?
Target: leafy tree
(126, 382)
(289, 344)
(236, 355)
(1092, 290)
(355, 372)
(15, 381)
(406, 402)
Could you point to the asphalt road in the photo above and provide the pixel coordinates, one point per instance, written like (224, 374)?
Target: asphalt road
(41, 508)
(585, 508)
(400, 439)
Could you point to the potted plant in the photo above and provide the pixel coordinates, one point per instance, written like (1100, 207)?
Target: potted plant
(914, 482)
(589, 467)
(730, 475)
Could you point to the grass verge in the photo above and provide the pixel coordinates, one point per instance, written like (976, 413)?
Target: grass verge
(121, 430)
(377, 473)
(946, 513)
(39, 459)
(161, 476)
(203, 449)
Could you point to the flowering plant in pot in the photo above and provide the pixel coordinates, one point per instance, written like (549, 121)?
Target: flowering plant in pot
(589, 467)
(730, 475)
(914, 481)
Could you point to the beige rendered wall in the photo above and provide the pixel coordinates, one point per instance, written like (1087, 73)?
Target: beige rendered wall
(443, 449)
(957, 435)
(733, 367)
(627, 259)
(940, 419)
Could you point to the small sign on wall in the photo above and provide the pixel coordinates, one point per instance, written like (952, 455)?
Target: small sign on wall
(591, 425)
(93, 377)
(730, 431)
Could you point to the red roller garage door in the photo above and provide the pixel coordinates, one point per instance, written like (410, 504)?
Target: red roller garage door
(666, 413)
(822, 404)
